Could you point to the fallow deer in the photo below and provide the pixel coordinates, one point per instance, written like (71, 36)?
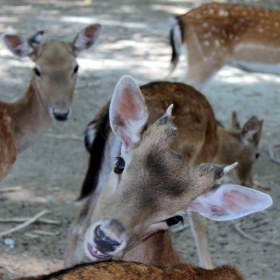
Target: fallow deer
(113, 270)
(217, 34)
(49, 94)
(149, 187)
(199, 140)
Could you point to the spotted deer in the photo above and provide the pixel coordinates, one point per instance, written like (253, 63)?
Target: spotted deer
(49, 94)
(199, 140)
(217, 34)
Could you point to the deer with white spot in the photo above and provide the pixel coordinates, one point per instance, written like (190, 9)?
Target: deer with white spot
(49, 94)
(217, 34)
(199, 140)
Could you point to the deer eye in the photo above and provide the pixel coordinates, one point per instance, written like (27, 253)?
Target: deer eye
(119, 166)
(257, 155)
(76, 69)
(174, 220)
(37, 72)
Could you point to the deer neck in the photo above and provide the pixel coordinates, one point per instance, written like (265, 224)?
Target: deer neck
(29, 117)
(228, 141)
(155, 250)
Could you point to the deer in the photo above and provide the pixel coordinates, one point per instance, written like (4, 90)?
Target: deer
(149, 187)
(218, 34)
(49, 94)
(112, 270)
(200, 139)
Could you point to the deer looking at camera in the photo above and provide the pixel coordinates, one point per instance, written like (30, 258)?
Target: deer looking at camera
(148, 189)
(216, 34)
(199, 140)
(49, 94)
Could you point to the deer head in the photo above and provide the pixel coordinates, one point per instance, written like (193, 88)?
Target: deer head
(56, 68)
(151, 184)
(241, 144)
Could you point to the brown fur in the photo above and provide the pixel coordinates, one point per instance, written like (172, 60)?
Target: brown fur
(217, 34)
(25, 121)
(199, 140)
(129, 270)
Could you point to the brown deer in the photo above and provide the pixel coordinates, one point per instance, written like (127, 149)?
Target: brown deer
(49, 94)
(150, 187)
(216, 34)
(199, 140)
(113, 270)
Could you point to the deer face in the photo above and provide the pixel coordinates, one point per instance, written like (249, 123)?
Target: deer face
(242, 146)
(151, 184)
(56, 68)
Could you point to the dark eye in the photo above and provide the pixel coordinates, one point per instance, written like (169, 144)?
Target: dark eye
(257, 155)
(76, 69)
(175, 220)
(37, 72)
(119, 166)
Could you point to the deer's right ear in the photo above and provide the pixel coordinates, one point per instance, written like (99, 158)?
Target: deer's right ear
(128, 112)
(18, 45)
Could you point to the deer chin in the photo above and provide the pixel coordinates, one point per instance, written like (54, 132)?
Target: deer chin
(94, 254)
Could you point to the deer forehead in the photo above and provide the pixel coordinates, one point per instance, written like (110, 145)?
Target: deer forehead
(55, 53)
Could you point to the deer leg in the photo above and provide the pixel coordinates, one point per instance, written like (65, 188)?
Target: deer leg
(198, 226)
(201, 73)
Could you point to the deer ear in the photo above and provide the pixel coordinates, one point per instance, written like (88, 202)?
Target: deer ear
(228, 202)
(18, 45)
(234, 121)
(250, 129)
(86, 38)
(128, 112)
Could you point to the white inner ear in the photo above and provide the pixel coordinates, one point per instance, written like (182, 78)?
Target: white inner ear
(23, 49)
(82, 42)
(128, 112)
(229, 202)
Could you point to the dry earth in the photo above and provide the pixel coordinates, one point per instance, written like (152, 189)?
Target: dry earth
(134, 41)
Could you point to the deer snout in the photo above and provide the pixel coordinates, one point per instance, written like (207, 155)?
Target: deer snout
(61, 115)
(105, 239)
(104, 243)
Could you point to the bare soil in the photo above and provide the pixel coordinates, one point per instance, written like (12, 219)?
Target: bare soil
(134, 41)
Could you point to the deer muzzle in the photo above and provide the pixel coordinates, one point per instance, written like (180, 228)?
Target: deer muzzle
(105, 239)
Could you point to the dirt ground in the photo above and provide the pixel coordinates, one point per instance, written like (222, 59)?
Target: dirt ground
(50, 173)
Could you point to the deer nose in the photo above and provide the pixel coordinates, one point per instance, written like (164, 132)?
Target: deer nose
(61, 115)
(103, 243)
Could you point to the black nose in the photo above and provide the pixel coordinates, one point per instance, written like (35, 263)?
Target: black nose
(61, 116)
(103, 243)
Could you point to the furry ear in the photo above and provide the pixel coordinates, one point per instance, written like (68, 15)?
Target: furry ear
(128, 112)
(38, 37)
(86, 38)
(228, 202)
(18, 45)
(234, 121)
(251, 128)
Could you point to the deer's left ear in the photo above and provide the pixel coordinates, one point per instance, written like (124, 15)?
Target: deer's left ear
(128, 112)
(228, 202)
(86, 38)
